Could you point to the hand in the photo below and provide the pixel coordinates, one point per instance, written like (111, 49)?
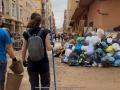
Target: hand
(25, 63)
(52, 43)
(14, 59)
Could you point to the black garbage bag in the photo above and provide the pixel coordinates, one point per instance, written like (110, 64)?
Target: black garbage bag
(73, 59)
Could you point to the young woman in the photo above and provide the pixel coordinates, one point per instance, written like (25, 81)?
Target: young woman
(39, 68)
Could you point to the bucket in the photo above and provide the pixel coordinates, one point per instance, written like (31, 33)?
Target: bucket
(17, 67)
(13, 81)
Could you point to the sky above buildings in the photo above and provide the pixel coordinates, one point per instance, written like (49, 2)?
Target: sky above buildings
(58, 8)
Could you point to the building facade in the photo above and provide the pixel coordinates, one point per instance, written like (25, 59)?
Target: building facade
(53, 23)
(71, 6)
(65, 23)
(103, 13)
(1, 6)
(47, 13)
(107, 13)
(38, 6)
(17, 13)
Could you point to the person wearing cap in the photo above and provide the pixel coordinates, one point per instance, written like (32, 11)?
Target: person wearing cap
(5, 47)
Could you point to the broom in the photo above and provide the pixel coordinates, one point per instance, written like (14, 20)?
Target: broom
(53, 61)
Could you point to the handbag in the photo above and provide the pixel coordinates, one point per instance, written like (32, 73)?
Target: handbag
(13, 81)
(17, 67)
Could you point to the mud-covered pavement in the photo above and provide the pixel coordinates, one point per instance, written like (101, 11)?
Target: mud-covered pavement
(79, 78)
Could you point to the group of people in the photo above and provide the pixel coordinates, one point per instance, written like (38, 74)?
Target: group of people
(60, 37)
(35, 40)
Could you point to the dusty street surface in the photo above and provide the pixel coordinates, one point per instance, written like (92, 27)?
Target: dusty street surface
(87, 78)
(80, 78)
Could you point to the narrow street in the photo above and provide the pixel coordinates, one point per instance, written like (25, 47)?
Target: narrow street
(79, 78)
(88, 29)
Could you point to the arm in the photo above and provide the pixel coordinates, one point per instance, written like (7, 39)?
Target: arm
(10, 51)
(47, 42)
(24, 49)
(9, 46)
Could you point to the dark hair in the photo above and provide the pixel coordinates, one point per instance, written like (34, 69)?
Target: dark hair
(35, 20)
(2, 25)
(33, 15)
(91, 24)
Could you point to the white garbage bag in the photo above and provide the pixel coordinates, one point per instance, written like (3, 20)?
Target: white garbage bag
(100, 33)
(57, 46)
(87, 40)
(94, 40)
(84, 48)
(68, 52)
(116, 46)
(90, 49)
(109, 40)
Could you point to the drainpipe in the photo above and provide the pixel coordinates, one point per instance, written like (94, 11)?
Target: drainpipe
(1, 7)
(43, 12)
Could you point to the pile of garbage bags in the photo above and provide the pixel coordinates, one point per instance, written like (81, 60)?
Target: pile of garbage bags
(94, 49)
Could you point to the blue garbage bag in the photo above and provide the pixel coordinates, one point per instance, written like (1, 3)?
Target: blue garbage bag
(109, 59)
(99, 53)
(117, 63)
(117, 55)
(77, 48)
(104, 45)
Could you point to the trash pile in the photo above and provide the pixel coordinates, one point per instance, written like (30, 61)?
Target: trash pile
(94, 49)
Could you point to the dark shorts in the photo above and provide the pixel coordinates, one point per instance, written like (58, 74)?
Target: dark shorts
(39, 81)
(2, 73)
(39, 67)
(39, 71)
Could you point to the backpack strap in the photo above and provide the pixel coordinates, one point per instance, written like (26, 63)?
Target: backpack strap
(40, 32)
(28, 33)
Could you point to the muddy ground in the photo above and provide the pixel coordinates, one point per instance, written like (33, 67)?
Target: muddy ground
(80, 78)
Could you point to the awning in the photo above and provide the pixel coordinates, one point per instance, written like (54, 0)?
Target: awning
(82, 6)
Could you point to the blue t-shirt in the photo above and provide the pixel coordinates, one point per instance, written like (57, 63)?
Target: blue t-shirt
(4, 40)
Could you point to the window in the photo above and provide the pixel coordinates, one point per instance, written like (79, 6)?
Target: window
(13, 9)
(21, 13)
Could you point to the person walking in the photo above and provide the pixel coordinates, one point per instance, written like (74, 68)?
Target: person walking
(59, 37)
(55, 37)
(36, 40)
(62, 37)
(5, 47)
